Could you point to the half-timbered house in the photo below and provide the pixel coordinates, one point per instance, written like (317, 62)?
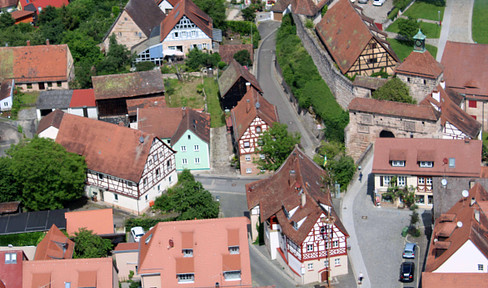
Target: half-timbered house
(301, 228)
(127, 168)
(357, 46)
(250, 118)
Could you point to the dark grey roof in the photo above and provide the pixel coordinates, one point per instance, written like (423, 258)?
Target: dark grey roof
(54, 99)
(146, 14)
(217, 35)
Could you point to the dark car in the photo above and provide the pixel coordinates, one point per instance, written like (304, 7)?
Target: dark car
(407, 271)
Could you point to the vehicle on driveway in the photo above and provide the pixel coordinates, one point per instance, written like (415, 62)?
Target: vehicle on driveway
(363, 1)
(137, 233)
(407, 271)
(409, 251)
(378, 2)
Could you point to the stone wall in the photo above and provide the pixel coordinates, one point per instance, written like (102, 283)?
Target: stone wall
(341, 87)
(419, 87)
(364, 128)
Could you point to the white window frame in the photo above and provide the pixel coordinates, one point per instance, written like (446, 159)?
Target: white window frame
(247, 157)
(402, 180)
(309, 247)
(386, 180)
(232, 275)
(481, 267)
(184, 161)
(426, 164)
(197, 160)
(398, 163)
(337, 261)
(187, 252)
(186, 278)
(10, 258)
(183, 148)
(247, 144)
(196, 147)
(421, 180)
(310, 266)
(335, 243)
(248, 170)
(234, 250)
(116, 197)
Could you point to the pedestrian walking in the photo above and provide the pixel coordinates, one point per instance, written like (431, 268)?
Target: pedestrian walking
(360, 278)
(360, 176)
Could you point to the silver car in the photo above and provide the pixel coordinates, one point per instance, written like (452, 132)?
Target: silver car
(409, 251)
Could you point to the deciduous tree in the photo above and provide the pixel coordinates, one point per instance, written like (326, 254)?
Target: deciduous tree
(243, 57)
(276, 145)
(215, 9)
(9, 190)
(394, 90)
(89, 245)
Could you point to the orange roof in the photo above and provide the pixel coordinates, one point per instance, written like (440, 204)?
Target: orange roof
(35, 63)
(420, 64)
(439, 151)
(149, 119)
(454, 280)
(82, 98)
(453, 235)
(93, 272)
(127, 246)
(383, 107)
(189, 9)
(55, 245)
(100, 221)
(161, 251)
(146, 102)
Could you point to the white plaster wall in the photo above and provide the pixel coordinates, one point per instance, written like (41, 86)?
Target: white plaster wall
(464, 260)
(294, 263)
(6, 104)
(152, 281)
(51, 132)
(164, 6)
(274, 243)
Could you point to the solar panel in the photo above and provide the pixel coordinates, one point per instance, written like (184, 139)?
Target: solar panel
(17, 223)
(36, 221)
(32, 221)
(3, 224)
(56, 217)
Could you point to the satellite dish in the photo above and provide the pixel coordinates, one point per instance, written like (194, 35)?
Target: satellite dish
(465, 193)
(444, 182)
(459, 224)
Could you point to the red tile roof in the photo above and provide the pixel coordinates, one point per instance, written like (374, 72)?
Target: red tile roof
(44, 3)
(82, 98)
(108, 148)
(146, 102)
(53, 119)
(197, 122)
(6, 88)
(100, 221)
(456, 236)
(304, 7)
(127, 247)
(9, 207)
(465, 67)
(279, 192)
(454, 280)
(161, 251)
(18, 14)
(55, 245)
(345, 35)
(34, 63)
(467, 164)
(8, 3)
(189, 9)
(227, 51)
(230, 76)
(391, 108)
(280, 5)
(420, 64)
(94, 272)
(252, 105)
(149, 120)
(128, 85)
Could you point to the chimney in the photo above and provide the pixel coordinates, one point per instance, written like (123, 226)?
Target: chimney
(248, 105)
(304, 199)
(443, 84)
(47, 41)
(248, 86)
(477, 215)
(436, 95)
(472, 201)
(28, 42)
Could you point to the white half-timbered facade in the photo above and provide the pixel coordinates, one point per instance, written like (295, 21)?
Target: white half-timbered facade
(301, 229)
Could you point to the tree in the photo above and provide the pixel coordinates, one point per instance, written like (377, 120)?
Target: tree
(215, 9)
(243, 57)
(6, 20)
(276, 145)
(188, 198)
(340, 166)
(89, 245)
(47, 175)
(197, 59)
(249, 14)
(145, 66)
(394, 90)
(8, 186)
(408, 28)
(117, 60)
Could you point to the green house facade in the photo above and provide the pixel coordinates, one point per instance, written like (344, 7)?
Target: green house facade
(192, 152)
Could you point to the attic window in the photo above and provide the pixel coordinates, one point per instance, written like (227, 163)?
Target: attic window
(396, 163)
(426, 164)
(258, 129)
(234, 249)
(187, 252)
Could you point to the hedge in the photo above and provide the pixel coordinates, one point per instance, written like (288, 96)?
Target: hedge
(301, 74)
(145, 223)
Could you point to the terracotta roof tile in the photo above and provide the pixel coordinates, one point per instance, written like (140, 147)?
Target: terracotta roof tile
(18, 14)
(9, 207)
(6, 88)
(99, 221)
(53, 119)
(189, 9)
(279, 192)
(345, 35)
(471, 60)
(369, 82)
(230, 76)
(146, 14)
(280, 5)
(8, 3)
(149, 120)
(82, 98)
(304, 7)
(227, 51)
(127, 246)
(252, 105)
(197, 122)
(55, 245)
(128, 85)
(469, 165)
(161, 251)
(420, 64)
(34, 63)
(146, 102)
(453, 280)
(392, 108)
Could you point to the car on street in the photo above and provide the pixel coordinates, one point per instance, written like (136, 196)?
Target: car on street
(409, 251)
(378, 2)
(137, 232)
(363, 1)
(407, 271)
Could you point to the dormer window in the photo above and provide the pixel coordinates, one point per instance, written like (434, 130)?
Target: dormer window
(398, 163)
(234, 249)
(187, 252)
(426, 164)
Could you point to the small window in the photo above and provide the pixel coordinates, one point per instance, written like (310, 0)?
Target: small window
(452, 162)
(232, 275)
(67, 284)
(129, 183)
(428, 181)
(398, 163)
(337, 261)
(335, 244)
(189, 137)
(326, 263)
(401, 181)
(155, 157)
(29, 85)
(258, 129)
(145, 197)
(421, 181)
(116, 197)
(309, 247)
(430, 199)
(247, 144)
(168, 163)
(170, 179)
(144, 181)
(100, 176)
(120, 33)
(59, 84)
(426, 164)
(234, 249)
(176, 35)
(248, 171)
(186, 278)
(196, 148)
(472, 104)
(187, 252)
(183, 148)
(480, 267)
(150, 162)
(408, 79)
(157, 172)
(425, 82)
(262, 156)
(197, 160)
(322, 230)
(184, 161)
(49, 84)
(310, 266)
(10, 258)
(248, 157)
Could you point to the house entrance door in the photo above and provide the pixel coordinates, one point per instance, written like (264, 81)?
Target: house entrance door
(324, 277)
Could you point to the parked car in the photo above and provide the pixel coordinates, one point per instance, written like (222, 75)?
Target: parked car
(409, 251)
(378, 2)
(137, 233)
(363, 1)
(407, 271)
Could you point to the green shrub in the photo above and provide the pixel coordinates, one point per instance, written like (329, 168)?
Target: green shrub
(145, 223)
(309, 24)
(401, 4)
(145, 66)
(393, 14)
(22, 239)
(324, 10)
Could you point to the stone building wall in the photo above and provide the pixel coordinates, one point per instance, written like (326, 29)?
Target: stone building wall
(419, 87)
(364, 128)
(126, 32)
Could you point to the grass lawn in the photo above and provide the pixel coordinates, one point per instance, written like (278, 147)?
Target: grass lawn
(29, 98)
(22, 239)
(429, 29)
(403, 50)
(184, 94)
(213, 103)
(480, 21)
(422, 10)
